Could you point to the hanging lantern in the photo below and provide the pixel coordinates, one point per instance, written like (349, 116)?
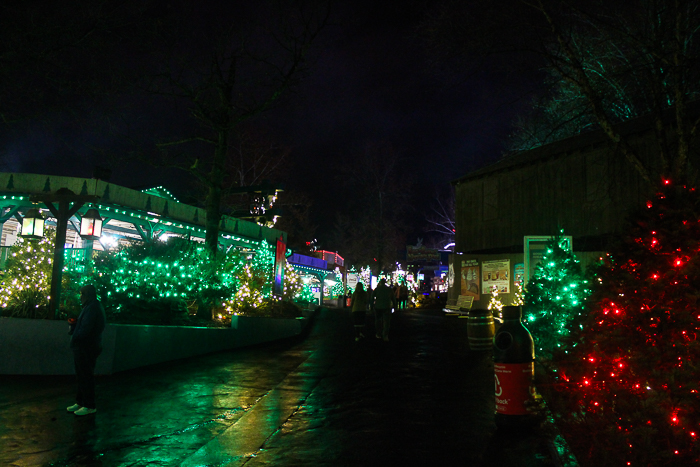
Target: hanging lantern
(91, 225)
(33, 225)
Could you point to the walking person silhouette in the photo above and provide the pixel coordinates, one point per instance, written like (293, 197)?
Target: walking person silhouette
(359, 302)
(383, 300)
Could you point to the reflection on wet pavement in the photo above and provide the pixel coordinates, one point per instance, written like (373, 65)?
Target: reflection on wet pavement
(423, 398)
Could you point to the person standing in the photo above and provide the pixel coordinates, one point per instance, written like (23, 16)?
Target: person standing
(403, 296)
(86, 343)
(383, 301)
(360, 299)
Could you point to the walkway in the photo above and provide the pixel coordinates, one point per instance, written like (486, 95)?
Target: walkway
(421, 399)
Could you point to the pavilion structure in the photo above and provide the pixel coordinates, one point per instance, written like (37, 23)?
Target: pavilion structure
(127, 215)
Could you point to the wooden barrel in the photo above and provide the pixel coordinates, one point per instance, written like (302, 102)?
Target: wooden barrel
(480, 329)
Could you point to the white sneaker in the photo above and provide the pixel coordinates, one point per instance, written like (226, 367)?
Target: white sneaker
(73, 408)
(85, 411)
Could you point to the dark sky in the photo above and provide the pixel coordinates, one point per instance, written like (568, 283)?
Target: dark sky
(375, 80)
(371, 79)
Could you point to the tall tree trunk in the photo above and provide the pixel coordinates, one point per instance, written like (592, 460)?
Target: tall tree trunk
(213, 205)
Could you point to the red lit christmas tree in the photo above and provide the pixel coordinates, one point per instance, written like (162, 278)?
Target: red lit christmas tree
(633, 374)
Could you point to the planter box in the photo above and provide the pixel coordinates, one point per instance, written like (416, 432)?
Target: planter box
(41, 347)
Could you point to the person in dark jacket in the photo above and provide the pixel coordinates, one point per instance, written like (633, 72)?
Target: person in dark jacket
(86, 343)
(384, 301)
(360, 299)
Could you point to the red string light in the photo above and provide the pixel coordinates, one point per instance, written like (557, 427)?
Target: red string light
(637, 350)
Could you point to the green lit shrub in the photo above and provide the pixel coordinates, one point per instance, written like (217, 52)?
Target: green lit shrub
(164, 281)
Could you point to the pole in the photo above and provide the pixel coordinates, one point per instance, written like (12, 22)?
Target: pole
(62, 212)
(59, 248)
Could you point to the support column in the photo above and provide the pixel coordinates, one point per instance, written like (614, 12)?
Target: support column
(67, 204)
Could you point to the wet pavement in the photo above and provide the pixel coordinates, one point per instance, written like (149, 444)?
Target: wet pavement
(321, 399)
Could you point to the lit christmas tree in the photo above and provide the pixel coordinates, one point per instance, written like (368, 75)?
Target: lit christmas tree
(364, 276)
(634, 378)
(555, 296)
(255, 281)
(338, 287)
(495, 305)
(24, 290)
(293, 285)
(518, 295)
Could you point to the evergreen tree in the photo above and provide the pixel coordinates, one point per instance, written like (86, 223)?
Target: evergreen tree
(633, 375)
(555, 295)
(24, 290)
(495, 304)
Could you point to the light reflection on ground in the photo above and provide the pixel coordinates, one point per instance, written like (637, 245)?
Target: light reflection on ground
(324, 400)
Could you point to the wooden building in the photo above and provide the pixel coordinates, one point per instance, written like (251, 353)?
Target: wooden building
(581, 185)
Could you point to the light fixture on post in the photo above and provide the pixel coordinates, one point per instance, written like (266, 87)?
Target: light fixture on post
(33, 225)
(91, 225)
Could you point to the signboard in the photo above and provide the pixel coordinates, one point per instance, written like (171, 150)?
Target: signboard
(496, 274)
(352, 281)
(421, 253)
(280, 261)
(535, 249)
(465, 302)
(470, 279)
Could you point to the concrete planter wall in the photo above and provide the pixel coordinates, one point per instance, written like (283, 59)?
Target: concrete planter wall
(41, 347)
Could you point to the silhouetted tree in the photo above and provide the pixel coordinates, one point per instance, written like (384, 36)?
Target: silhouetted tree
(441, 218)
(605, 62)
(371, 229)
(231, 66)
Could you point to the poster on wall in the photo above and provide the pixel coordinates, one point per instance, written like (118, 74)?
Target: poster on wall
(496, 274)
(519, 274)
(470, 279)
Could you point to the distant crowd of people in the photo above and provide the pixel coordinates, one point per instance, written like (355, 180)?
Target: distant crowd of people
(382, 301)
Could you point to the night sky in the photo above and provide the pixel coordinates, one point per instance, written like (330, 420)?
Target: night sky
(375, 80)
(371, 79)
